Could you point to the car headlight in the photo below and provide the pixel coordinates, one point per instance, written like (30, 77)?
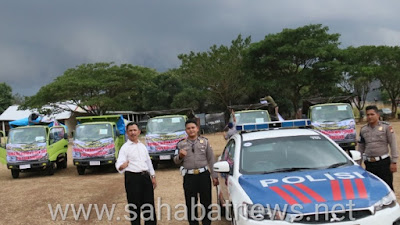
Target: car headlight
(259, 212)
(387, 201)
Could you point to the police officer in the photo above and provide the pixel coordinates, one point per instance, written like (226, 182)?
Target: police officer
(374, 140)
(198, 159)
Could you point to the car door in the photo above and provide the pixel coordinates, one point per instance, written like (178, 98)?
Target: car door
(227, 155)
(3, 153)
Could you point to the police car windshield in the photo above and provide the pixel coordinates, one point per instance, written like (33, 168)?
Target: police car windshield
(93, 132)
(165, 125)
(27, 135)
(331, 113)
(285, 154)
(252, 117)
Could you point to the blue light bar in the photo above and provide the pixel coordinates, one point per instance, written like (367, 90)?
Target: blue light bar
(274, 124)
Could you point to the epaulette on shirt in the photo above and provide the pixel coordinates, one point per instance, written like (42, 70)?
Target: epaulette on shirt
(386, 123)
(181, 140)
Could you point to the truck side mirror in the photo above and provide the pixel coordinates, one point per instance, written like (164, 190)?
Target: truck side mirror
(118, 133)
(66, 136)
(51, 136)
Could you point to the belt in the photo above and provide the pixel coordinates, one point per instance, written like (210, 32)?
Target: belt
(375, 159)
(196, 171)
(140, 173)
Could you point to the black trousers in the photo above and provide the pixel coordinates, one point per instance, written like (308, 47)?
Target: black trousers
(196, 186)
(381, 168)
(139, 191)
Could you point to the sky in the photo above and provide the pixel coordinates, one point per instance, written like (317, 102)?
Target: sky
(41, 39)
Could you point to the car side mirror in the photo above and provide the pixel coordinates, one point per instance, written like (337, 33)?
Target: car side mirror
(222, 167)
(355, 155)
(66, 136)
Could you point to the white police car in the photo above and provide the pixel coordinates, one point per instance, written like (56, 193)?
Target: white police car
(298, 176)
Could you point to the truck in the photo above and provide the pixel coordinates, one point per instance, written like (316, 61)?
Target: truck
(35, 147)
(97, 141)
(162, 135)
(333, 117)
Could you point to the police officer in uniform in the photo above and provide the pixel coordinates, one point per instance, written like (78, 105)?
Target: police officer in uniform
(197, 157)
(375, 137)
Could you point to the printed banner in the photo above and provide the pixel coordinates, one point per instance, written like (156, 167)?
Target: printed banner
(93, 149)
(164, 142)
(26, 152)
(338, 131)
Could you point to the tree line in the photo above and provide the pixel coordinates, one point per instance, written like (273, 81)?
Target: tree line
(291, 65)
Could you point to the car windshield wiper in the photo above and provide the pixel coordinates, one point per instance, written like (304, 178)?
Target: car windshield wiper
(289, 169)
(337, 165)
(348, 118)
(100, 139)
(327, 121)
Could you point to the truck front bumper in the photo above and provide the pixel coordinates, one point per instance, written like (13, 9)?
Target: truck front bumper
(30, 165)
(163, 155)
(94, 162)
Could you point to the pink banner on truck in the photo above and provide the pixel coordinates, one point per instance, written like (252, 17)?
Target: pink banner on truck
(93, 149)
(164, 142)
(26, 152)
(338, 131)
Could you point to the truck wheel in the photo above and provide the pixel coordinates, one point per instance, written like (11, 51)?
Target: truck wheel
(50, 169)
(81, 170)
(14, 173)
(63, 163)
(155, 164)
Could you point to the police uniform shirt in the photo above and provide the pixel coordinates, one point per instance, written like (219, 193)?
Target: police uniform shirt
(138, 156)
(199, 154)
(374, 141)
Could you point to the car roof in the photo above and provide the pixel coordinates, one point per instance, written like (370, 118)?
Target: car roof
(277, 133)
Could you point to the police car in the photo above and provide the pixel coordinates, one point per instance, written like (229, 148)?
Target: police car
(276, 173)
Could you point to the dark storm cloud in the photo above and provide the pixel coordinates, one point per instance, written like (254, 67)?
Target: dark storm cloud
(41, 39)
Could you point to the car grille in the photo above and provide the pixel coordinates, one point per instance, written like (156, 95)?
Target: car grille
(330, 218)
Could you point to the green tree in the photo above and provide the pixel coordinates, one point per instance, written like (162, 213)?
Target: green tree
(96, 88)
(5, 96)
(295, 63)
(217, 73)
(161, 91)
(18, 99)
(388, 72)
(358, 69)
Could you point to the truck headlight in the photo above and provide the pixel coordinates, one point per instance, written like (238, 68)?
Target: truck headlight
(387, 201)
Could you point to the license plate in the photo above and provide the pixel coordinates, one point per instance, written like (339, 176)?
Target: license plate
(25, 166)
(94, 163)
(165, 157)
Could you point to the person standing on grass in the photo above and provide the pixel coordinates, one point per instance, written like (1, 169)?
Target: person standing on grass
(140, 179)
(375, 138)
(197, 157)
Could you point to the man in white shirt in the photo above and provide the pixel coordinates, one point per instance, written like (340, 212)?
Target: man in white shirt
(140, 179)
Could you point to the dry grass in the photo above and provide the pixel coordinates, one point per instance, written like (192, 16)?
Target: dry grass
(25, 200)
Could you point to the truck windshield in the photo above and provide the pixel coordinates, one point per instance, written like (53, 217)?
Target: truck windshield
(93, 132)
(252, 117)
(27, 135)
(331, 113)
(165, 125)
